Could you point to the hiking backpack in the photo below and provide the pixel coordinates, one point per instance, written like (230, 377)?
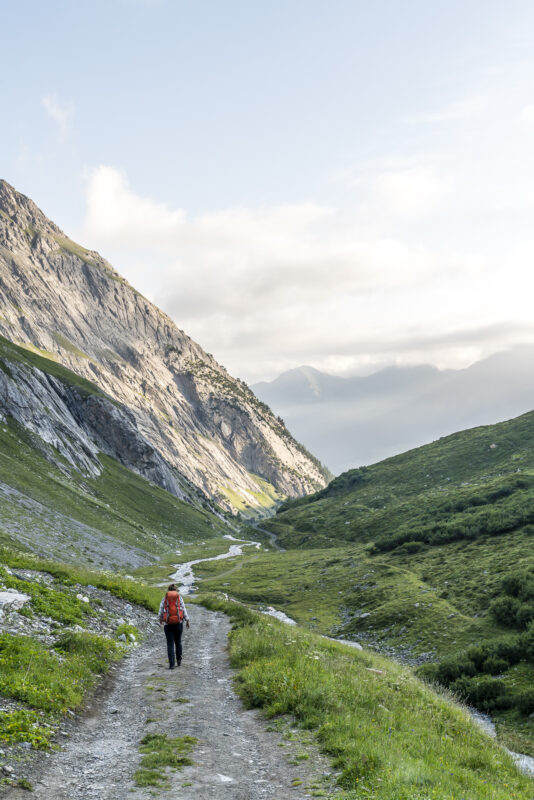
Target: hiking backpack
(173, 613)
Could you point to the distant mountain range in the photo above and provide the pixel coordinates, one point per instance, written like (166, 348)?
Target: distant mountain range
(349, 422)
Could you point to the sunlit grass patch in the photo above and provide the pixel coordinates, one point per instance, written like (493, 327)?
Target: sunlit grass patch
(23, 725)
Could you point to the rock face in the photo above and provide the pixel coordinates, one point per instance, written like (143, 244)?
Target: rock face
(185, 415)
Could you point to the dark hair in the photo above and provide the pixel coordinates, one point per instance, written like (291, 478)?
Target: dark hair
(172, 587)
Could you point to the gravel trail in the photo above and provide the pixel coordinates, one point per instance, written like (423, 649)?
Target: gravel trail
(237, 756)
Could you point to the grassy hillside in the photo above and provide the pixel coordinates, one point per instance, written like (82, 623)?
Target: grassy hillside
(390, 736)
(427, 556)
(47, 498)
(449, 481)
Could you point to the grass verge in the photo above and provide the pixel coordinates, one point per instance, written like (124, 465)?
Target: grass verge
(133, 591)
(390, 736)
(53, 681)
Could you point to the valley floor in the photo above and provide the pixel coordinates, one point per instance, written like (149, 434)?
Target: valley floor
(237, 755)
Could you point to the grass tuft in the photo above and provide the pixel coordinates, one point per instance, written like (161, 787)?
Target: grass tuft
(159, 753)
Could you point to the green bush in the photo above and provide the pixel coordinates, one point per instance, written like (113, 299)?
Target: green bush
(504, 610)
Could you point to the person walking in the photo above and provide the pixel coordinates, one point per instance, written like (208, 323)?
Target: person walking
(172, 613)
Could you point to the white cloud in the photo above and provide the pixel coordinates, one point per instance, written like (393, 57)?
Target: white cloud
(411, 193)
(60, 112)
(527, 114)
(233, 256)
(421, 267)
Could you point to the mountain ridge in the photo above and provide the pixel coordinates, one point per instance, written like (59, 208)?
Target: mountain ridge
(358, 420)
(70, 305)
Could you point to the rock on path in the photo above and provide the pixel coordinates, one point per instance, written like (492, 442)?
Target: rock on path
(236, 758)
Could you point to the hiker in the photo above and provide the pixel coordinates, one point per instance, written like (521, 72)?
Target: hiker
(172, 612)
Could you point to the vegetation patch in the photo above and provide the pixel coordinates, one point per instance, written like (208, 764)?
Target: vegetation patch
(69, 346)
(133, 591)
(32, 356)
(390, 736)
(53, 681)
(23, 725)
(60, 605)
(161, 752)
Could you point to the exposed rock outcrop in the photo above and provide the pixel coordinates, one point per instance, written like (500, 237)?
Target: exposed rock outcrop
(187, 416)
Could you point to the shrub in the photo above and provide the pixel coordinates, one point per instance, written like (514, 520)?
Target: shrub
(504, 610)
(96, 651)
(453, 668)
(481, 692)
(494, 665)
(525, 701)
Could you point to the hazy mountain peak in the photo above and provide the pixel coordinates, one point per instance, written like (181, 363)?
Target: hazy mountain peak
(360, 420)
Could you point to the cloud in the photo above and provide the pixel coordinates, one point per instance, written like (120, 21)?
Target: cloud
(61, 113)
(233, 257)
(267, 289)
(527, 114)
(411, 193)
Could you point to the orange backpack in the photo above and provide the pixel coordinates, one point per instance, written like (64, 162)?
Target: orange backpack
(173, 613)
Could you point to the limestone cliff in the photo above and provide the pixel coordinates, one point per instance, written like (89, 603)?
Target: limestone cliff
(200, 422)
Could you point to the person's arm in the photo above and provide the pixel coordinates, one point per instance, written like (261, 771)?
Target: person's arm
(161, 609)
(184, 611)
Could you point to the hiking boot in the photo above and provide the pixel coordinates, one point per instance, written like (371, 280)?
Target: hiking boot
(171, 666)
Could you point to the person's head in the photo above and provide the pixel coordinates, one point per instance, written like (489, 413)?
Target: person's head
(172, 587)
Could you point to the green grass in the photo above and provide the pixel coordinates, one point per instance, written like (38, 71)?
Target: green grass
(51, 681)
(389, 735)
(23, 725)
(67, 345)
(131, 590)
(58, 604)
(161, 752)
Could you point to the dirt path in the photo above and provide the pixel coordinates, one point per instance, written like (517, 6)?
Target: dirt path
(208, 578)
(238, 755)
(272, 536)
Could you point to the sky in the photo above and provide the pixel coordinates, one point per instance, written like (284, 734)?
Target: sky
(338, 183)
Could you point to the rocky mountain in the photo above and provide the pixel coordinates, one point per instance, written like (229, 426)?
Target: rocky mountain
(357, 420)
(184, 421)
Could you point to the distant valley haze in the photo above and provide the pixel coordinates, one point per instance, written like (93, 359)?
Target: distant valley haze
(352, 421)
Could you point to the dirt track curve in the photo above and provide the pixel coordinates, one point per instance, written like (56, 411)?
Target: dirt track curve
(237, 757)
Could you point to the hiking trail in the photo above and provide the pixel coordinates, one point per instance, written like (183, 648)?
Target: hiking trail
(238, 754)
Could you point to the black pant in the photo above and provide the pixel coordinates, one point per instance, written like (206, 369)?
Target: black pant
(174, 639)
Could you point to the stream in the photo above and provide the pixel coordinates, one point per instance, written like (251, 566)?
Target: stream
(184, 575)
(185, 578)
(484, 721)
